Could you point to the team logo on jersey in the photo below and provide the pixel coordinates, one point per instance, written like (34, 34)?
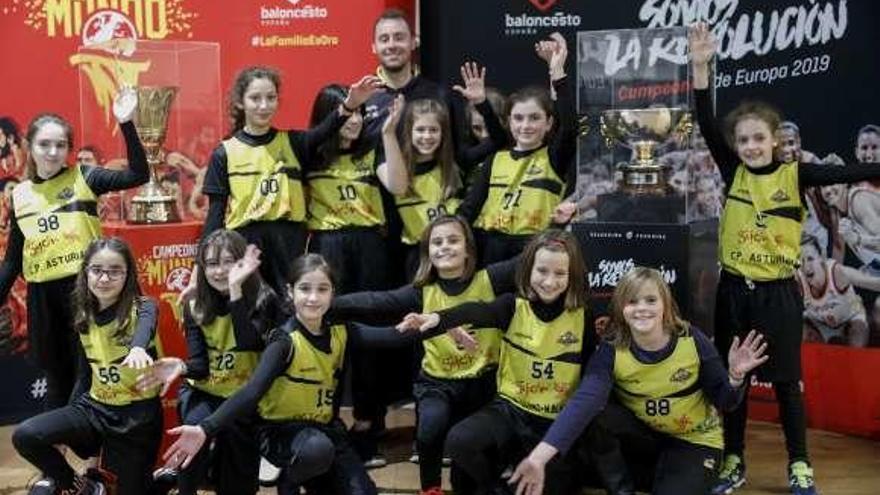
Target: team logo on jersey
(65, 193)
(760, 220)
(779, 196)
(681, 375)
(534, 169)
(568, 338)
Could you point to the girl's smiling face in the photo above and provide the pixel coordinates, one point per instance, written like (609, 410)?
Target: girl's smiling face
(550, 274)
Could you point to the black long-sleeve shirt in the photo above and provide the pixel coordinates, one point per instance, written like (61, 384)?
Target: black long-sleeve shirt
(100, 180)
(278, 355)
(304, 144)
(561, 149)
(592, 394)
(809, 174)
(388, 307)
(144, 331)
(249, 326)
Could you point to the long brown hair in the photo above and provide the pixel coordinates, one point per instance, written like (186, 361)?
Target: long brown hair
(32, 130)
(557, 241)
(236, 92)
(445, 154)
(426, 274)
(85, 303)
(617, 331)
(208, 300)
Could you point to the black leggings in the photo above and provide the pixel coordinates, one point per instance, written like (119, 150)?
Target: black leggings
(127, 437)
(317, 457)
(52, 337)
(791, 414)
(234, 452)
(440, 404)
(495, 437)
(281, 242)
(776, 310)
(675, 466)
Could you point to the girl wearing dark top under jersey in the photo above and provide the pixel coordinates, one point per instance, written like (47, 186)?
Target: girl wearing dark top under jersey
(254, 180)
(668, 383)
(225, 326)
(295, 389)
(114, 327)
(515, 192)
(759, 251)
(453, 382)
(54, 217)
(548, 337)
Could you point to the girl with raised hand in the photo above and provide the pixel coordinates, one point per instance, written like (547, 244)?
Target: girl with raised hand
(759, 251)
(426, 152)
(295, 390)
(54, 218)
(111, 416)
(548, 337)
(668, 384)
(516, 191)
(345, 211)
(453, 382)
(225, 325)
(254, 180)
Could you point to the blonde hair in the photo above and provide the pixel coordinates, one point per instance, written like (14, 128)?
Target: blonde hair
(618, 331)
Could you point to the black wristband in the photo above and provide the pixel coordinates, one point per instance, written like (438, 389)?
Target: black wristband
(349, 110)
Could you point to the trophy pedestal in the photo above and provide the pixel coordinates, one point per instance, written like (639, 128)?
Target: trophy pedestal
(645, 179)
(644, 208)
(153, 205)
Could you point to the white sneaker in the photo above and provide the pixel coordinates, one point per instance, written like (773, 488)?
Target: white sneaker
(268, 473)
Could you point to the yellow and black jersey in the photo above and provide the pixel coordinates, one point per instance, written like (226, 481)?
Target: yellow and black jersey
(540, 364)
(58, 219)
(345, 194)
(761, 224)
(265, 182)
(307, 388)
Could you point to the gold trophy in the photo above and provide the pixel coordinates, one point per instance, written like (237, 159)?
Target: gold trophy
(152, 204)
(644, 130)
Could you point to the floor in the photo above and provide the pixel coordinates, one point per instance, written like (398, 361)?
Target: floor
(844, 465)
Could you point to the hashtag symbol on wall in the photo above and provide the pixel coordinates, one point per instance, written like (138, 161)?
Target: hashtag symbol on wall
(38, 388)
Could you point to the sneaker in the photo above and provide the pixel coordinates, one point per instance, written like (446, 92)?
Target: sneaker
(732, 476)
(447, 461)
(434, 490)
(268, 473)
(800, 479)
(366, 444)
(414, 458)
(164, 480)
(84, 485)
(43, 486)
(376, 461)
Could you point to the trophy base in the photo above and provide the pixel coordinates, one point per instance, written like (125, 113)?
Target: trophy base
(644, 180)
(150, 210)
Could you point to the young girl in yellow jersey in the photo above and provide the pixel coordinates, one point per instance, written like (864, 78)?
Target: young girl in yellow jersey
(548, 337)
(225, 325)
(453, 382)
(54, 219)
(516, 191)
(295, 389)
(759, 251)
(425, 149)
(111, 417)
(668, 384)
(346, 215)
(254, 180)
